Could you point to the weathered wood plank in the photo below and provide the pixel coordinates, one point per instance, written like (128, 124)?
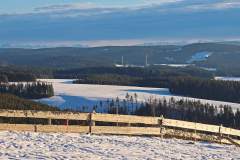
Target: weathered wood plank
(117, 119)
(44, 128)
(62, 128)
(17, 127)
(44, 114)
(126, 130)
(191, 125)
(230, 131)
(124, 119)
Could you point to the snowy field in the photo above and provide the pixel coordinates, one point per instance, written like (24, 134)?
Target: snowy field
(78, 95)
(200, 56)
(26, 145)
(228, 78)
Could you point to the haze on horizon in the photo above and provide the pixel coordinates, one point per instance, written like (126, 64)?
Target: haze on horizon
(109, 22)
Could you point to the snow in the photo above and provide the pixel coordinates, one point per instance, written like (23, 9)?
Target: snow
(228, 78)
(27, 145)
(78, 95)
(174, 65)
(209, 69)
(199, 56)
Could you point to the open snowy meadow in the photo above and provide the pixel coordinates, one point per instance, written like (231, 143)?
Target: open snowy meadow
(77, 96)
(26, 145)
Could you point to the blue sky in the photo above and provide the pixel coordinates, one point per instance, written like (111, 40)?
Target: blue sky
(21, 6)
(112, 21)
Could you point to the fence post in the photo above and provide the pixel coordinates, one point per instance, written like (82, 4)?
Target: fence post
(195, 132)
(35, 128)
(8, 120)
(91, 121)
(160, 122)
(49, 121)
(220, 133)
(67, 123)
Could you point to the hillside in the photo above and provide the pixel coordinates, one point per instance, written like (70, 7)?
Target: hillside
(215, 55)
(17, 145)
(8, 101)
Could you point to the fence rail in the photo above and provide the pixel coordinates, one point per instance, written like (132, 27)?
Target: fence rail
(44, 114)
(150, 125)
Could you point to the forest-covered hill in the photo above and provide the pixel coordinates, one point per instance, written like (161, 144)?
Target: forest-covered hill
(223, 57)
(8, 101)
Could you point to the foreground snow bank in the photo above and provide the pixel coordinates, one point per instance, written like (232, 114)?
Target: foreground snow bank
(26, 145)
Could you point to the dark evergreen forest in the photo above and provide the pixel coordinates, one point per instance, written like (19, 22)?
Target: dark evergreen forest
(183, 109)
(12, 102)
(16, 75)
(34, 90)
(206, 89)
(8, 101)
(193, 111)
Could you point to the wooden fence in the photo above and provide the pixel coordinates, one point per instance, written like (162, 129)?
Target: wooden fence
(119, 124)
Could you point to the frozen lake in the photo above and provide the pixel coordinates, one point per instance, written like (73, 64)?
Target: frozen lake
(84, 96)
(79, 96)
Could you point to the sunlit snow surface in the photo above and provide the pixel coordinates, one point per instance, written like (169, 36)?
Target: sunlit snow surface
(26, 145)
(228, 78)
(199, 56)
(76, 96)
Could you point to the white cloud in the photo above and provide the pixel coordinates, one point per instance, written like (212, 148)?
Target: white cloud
(217, 5)
(166, 6)
(80, 6)
(227, 4)
(161, 2)
(90, 6)
(163, 5)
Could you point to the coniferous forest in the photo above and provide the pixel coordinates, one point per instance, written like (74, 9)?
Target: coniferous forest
(34, 90)
(8, 101)
(193, 111)
(206, 89)
(12, 102)
(15, 74)
(183, 109)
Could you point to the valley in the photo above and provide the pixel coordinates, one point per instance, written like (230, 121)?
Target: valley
(77, 96)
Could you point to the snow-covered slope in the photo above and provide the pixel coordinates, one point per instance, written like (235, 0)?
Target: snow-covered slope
(26, 145)
(78, 95)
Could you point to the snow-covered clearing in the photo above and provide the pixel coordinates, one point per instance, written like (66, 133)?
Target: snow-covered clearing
(78, 95)
(174, 65)
(200, 56)
(228, 78)
(26, 145)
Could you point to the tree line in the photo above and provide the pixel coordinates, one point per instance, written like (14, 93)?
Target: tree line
(34, 90)
(206, 88)
(8, 101)
(196, 87)
(193, 111)
(187, 110)
(15, 74)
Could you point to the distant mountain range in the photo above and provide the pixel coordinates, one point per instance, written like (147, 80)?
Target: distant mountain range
(102, 43)
(221, 55)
